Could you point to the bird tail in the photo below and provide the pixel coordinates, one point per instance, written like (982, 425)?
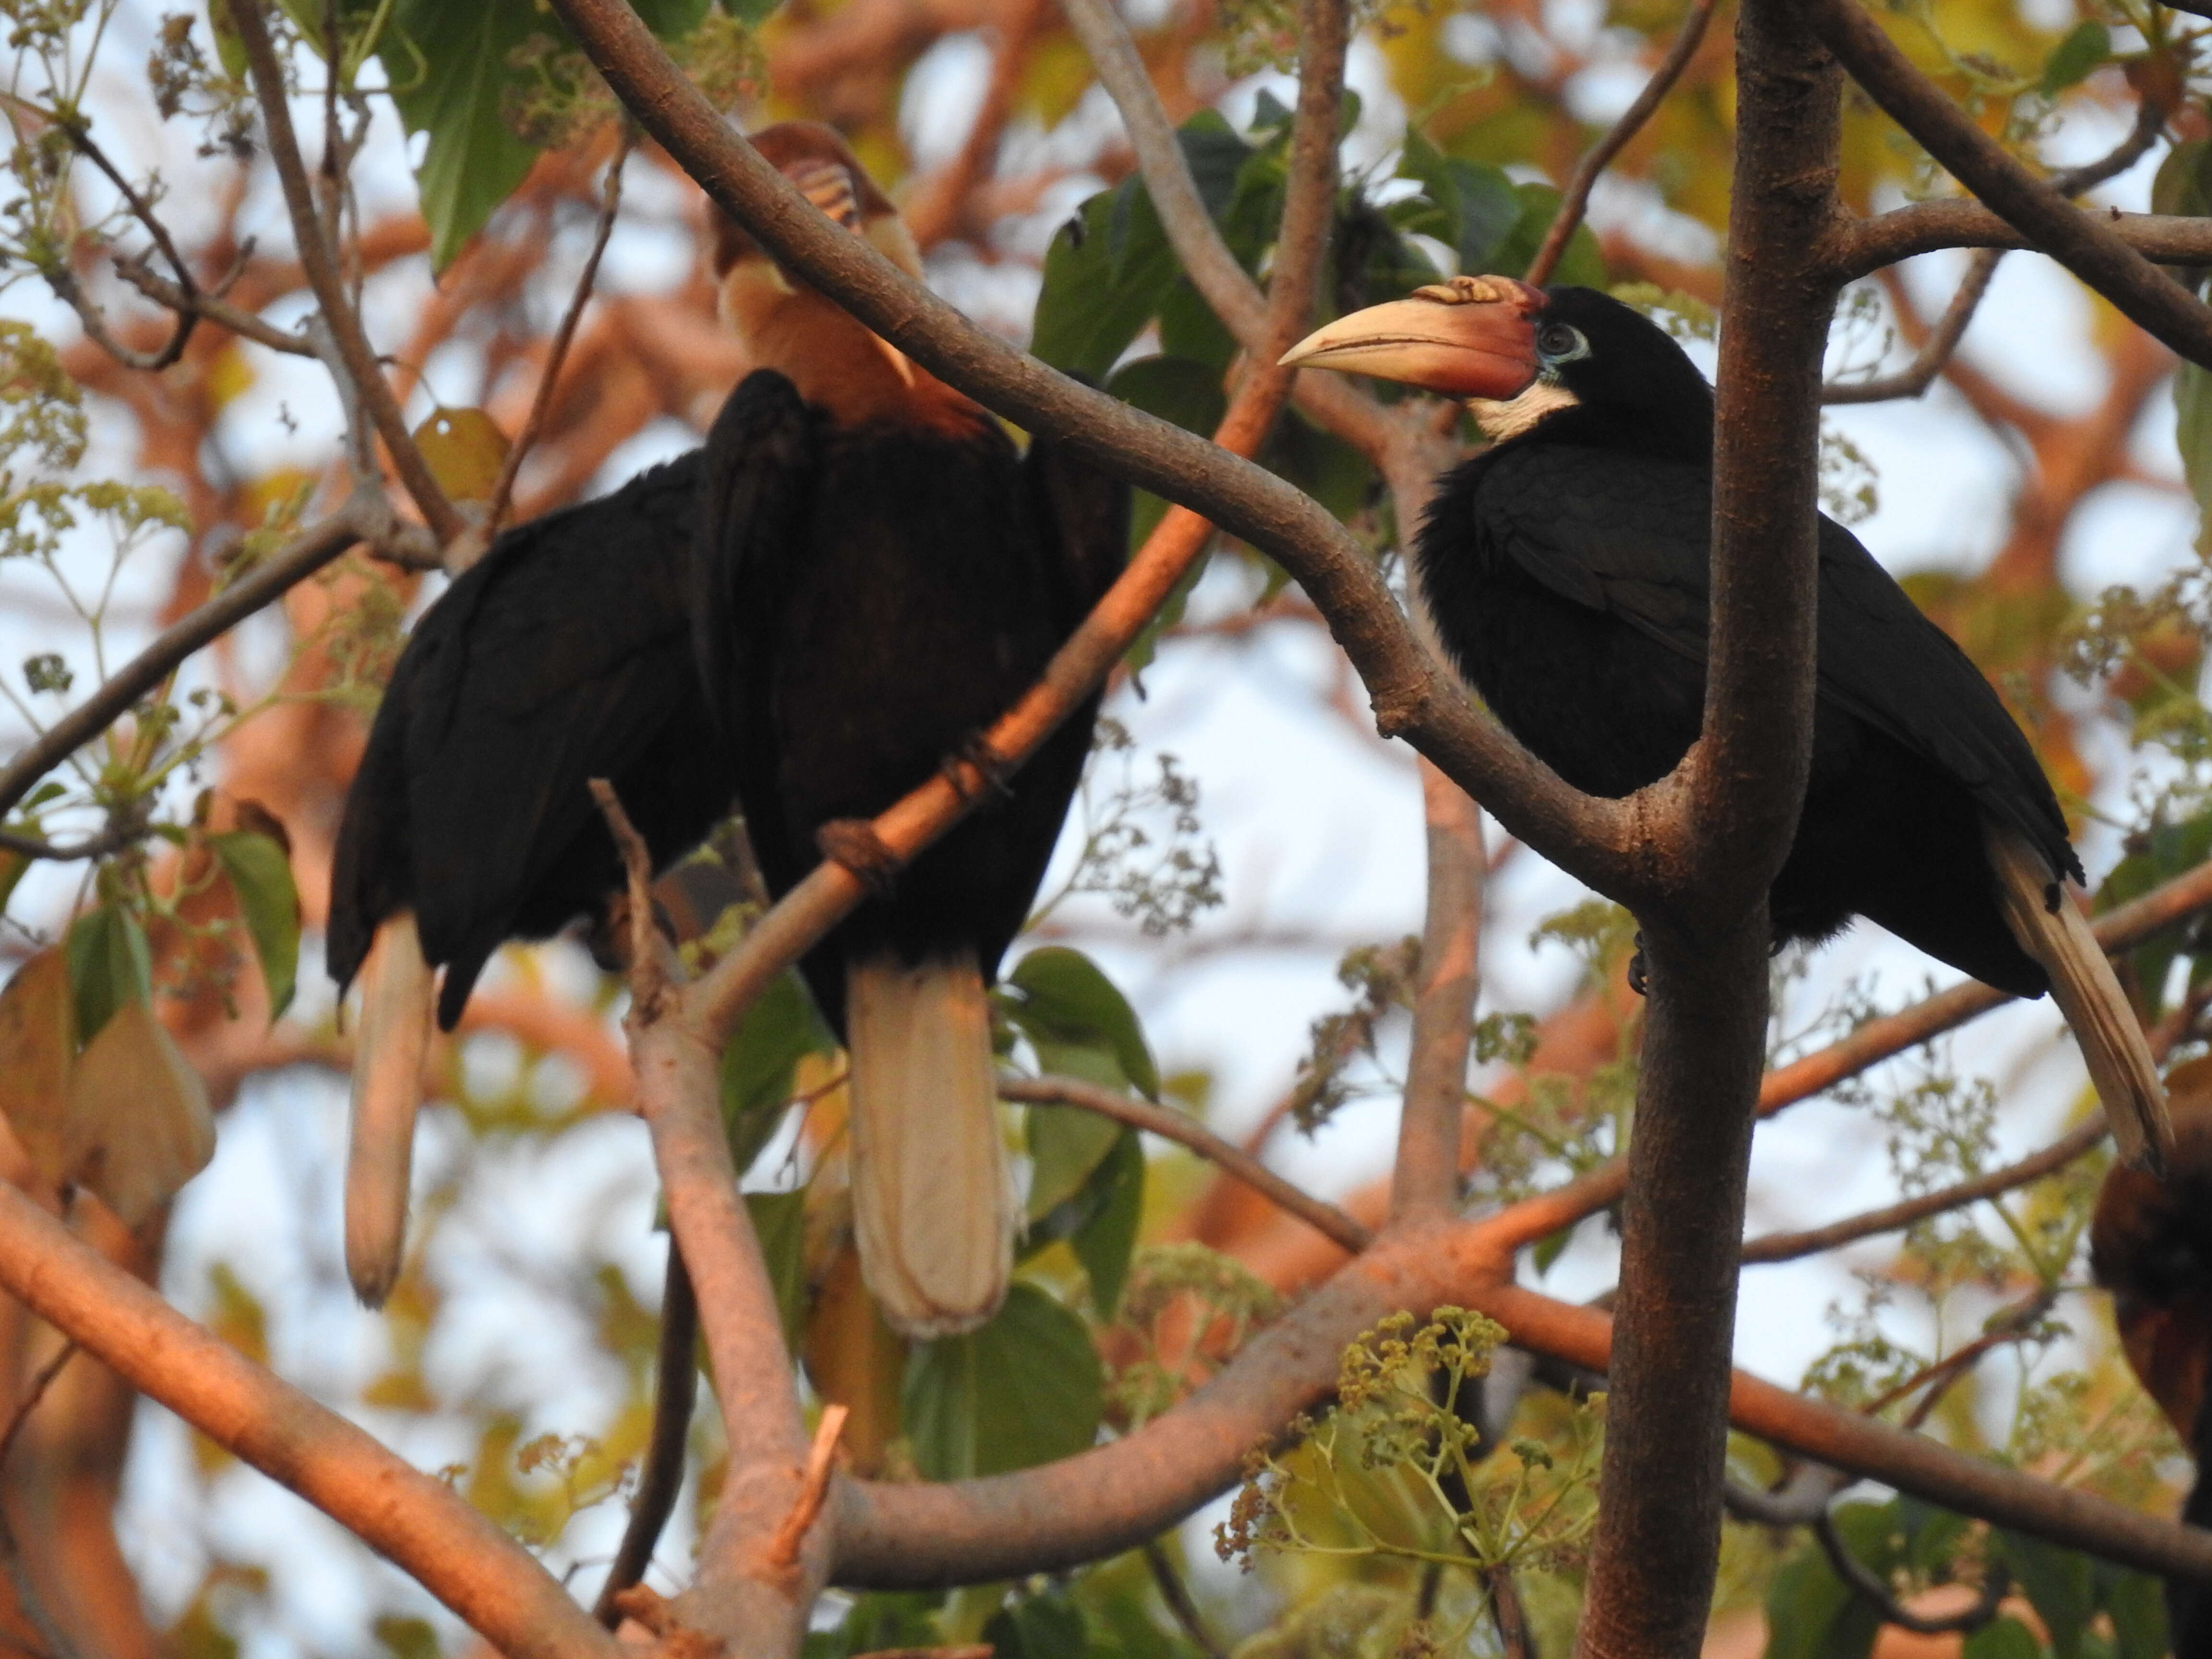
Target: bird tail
(394, 1034)
(2050, 929)
(933, 1206)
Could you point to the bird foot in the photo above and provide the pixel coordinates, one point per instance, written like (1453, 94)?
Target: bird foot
(854, 844)
(975, 753)
(1639, 974)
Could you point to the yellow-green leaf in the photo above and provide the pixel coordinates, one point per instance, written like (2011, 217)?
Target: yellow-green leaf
(37, 1046)
(261, 875)
(465, 450)
(139, 1127)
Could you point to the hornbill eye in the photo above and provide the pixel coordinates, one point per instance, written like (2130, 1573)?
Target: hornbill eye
(1561, 344)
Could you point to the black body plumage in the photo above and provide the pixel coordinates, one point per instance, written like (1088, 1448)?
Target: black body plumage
(563, 655)
(1567, 572)
(872, 598)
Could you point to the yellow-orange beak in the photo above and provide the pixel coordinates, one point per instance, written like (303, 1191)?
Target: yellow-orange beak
(1473, 337)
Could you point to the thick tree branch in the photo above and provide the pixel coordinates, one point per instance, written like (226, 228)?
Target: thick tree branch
(1575, 201)
(2078, 241)
(362, 519)
(419, 1523)
(318, 261)
(1928, 226)
(1788, 1247)
(1425, 1179)
(1109, 1499)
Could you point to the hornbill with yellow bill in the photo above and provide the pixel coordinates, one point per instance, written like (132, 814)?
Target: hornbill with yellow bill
(1567, 571)
(882, 574)
(2150, 1245)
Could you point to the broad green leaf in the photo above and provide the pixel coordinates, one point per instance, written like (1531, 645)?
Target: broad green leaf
(109, 966)
(1065, 1002)
(2056, 1582)
(261, 875)
(1066, 1145)
(780, 1222)
(1105, 1243)
(1025, 1389)
(2135, 1602)
(2163, 850)
(1471, 207)
(450, 64)
(1046, 1626)
(757, 1066)
(1105, 274)
(2085, 46)
(2192, 435)
(879, 1621)
(1181, 390)
(1811, 1614)
(2005, 1638)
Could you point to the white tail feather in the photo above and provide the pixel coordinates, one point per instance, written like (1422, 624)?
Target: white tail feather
(394, 1034)
(2083, 986)
(931, 1203)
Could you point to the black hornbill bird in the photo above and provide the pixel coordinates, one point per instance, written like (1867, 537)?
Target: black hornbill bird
(865, 572)
(1567, 569)
(562, 655)
(2150, 1245)
(881, 574)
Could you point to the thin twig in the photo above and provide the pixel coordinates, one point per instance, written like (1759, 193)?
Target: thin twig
(1511, 1619)
(63, 281)
(359, 520)
(649, 989)
(1176, 1596)
(318, 261)
(32, 1396)
(1225, 1155)
(557, 354)
(675, 1392)
(1575, 201)
(1788, 1247)
(1935, 351)
(1863, 1584)
(113, 839)
(219, 311)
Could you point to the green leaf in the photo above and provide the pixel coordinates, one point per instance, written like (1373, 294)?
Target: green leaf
(2085, 46)
(1070, 1010)
(1107, 1241)
(450, 64)
(1025, 1389)
(2163, 851)
(261, 874)
(1582, 265)
(779, 1219)
(1182, 390)
(2192, 434)
(2057, 1584)
(1811, 1614)
(1046, 1626)
(2135, 1602)
(1470, 207)
(2005, 1638)
(878, 1621)
(108, 966)
(1066, 1143)
(1105, 274)
(756, 1067)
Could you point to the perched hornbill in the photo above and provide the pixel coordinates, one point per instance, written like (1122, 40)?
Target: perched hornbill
(562, 655)
(882, 574)
(1567, 568)
(2150, 1245)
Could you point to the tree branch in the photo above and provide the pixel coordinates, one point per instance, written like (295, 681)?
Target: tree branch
(426, 1528)
(1321, 1216)
(1893, 1217)
(2160, 306)
(1927, 226)
(320, 265)
(1425, 1179)
(1934, 352)
(1575, 201)
(1871, 1590)
(362, 518)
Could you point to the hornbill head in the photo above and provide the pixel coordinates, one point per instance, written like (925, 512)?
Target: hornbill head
(835, 360)
(1519, 354)
(2151, 1246)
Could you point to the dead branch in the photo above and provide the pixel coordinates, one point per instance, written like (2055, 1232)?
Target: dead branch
(783, 1549)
